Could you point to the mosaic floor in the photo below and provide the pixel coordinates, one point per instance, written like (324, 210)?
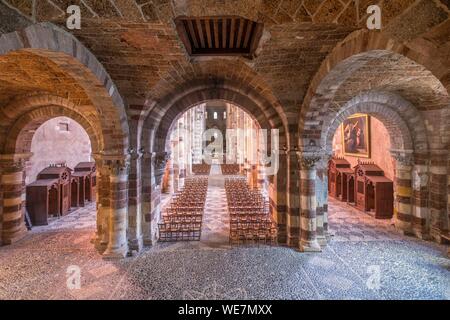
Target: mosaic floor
(366, 259)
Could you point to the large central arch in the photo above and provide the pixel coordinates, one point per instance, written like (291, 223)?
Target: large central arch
(154, 130)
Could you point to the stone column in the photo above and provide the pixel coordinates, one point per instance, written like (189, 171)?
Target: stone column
(103, 204)
(118, 224)
(148, 183)
(308, 203)
(12, 221)
(175, 177)
(438, 194)
(277, 198)
(403, 191)
(293, 200)
(321, 187)
(420, 201)
(135, 237)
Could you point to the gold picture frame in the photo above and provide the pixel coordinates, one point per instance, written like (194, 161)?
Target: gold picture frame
(355, 134)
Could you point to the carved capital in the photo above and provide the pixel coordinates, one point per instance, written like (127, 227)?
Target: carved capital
(118, 167)
(308, 161)
(136, 154)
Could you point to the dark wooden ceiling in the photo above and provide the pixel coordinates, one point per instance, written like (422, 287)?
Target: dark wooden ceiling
(226, 35)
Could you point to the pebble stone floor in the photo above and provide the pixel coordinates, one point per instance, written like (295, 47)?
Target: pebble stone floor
(361, 252)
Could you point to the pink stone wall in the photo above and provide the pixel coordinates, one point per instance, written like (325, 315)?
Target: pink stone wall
(53, 144)
(380, 144)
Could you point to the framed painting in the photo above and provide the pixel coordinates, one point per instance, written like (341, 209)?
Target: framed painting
(356, 136)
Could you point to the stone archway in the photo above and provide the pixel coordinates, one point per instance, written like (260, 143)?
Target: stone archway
(156, 127)
(409, 144)
(89, 95)
(16, 151)
(422, 80)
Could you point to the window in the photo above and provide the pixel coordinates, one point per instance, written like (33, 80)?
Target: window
(224, 114)
(63, 126)
(215, 115)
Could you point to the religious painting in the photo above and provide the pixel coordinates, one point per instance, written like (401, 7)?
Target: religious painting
(356, 136)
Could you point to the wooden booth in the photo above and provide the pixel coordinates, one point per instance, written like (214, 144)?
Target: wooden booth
(62, 174)
(87, 172)
(338, 171)
(43, 200)
(78, 196)
(374, 192)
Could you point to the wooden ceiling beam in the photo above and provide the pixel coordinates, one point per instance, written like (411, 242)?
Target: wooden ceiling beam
(248, 33)
(233, 24)
(208, 32)
(239, 33)
(200, 32)
(192, 33)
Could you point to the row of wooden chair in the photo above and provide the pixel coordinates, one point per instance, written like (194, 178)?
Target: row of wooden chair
(201, 169)
(250, 220)
(230, 169)
(182, 218)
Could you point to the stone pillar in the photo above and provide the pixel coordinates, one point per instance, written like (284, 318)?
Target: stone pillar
(175, 177)
(420, 201)
(308, 203)
(293, 200)
(118, 224)
(438, 194)
(322, 200)
(277, 198)
(403, 191)
(135, 236)
(148, 183)
(153, 170)
(103, 204)
(12, 221)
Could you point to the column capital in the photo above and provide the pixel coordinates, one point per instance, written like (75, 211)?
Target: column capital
(136, 154)
(117, 167)
(308, 160)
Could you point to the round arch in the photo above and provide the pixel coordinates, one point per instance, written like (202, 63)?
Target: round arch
(160, 119)
(154, 129)
(354, 52)
(402, 120)
(20, 134)
(72, 57)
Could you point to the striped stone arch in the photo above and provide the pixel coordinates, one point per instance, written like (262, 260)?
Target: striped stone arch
(63, 49)
(406, 127)
(20, 135)
(160, 119)
(36, 110)
(154, 129)
(345, 59)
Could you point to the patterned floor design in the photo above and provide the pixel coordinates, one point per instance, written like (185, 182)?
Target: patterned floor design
(76, 219)
(349, 224)
(366, 259)
(216, 225)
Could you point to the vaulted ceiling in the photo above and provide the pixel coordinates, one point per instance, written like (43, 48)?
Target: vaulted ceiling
(138, 44)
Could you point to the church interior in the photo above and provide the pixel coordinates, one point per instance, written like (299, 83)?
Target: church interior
(199, 149)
